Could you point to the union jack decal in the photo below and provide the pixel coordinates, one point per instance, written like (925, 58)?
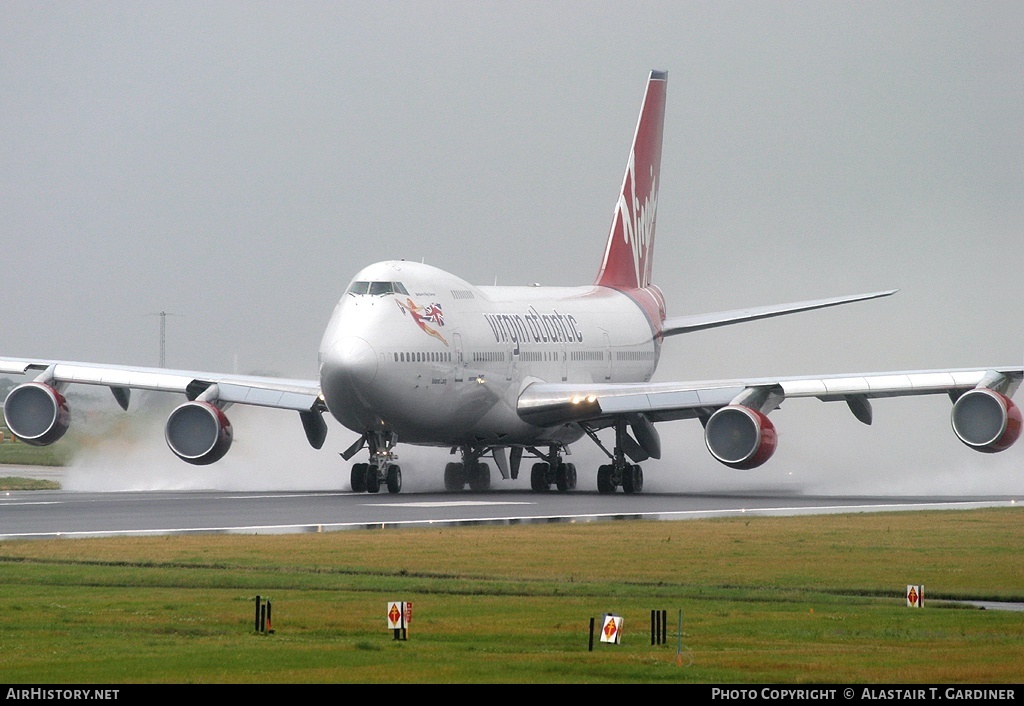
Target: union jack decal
(433, 313)
(422, 314)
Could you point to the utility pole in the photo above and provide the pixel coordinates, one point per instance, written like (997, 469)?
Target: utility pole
(163, 334)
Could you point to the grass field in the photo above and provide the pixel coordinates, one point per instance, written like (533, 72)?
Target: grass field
(801, 599)
(21, 454)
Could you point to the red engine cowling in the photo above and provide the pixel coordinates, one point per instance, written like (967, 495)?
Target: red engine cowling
(986, 420)
(740, 437)
(199, 433)
(37, 413)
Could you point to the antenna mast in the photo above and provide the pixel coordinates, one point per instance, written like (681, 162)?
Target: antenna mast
(163, 334)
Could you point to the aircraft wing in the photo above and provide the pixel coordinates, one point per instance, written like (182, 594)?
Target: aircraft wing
(197, 431)
(280, 393)
(550, 404)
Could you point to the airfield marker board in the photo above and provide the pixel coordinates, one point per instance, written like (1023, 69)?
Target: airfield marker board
(399, 615)
(915, 596)
(611, 628)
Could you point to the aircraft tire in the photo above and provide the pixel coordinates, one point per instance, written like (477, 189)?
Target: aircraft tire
(604, 480)
(453, 478)
(358, 477)
(539, 478)
(394, 479)
(565, 477)
(372, 479)
(480, 480)
(633, 479)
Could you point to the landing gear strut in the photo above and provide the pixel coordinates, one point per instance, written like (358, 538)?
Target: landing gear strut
(472, 471)
(620, 472)
(381, 470)
(553, 472)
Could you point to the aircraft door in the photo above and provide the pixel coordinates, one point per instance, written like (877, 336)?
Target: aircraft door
(608, 357)
(460, 363)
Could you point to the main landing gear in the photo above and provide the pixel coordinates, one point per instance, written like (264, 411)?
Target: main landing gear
(620, 473)
(472, 471)
(381, 471)
(627, 475)
(553, 471)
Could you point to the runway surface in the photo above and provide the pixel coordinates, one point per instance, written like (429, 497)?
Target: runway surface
(47, 514)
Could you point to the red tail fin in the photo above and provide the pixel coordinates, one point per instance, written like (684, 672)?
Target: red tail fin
(629, 254)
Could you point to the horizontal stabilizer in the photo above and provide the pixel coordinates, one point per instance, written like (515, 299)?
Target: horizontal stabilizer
(698, 322)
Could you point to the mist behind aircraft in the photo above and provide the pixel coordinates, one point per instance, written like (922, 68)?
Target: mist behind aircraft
(239, 166)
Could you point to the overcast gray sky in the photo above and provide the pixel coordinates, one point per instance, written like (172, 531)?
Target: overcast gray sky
(236, 163)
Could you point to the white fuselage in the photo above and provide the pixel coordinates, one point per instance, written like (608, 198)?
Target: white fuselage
(419, 352)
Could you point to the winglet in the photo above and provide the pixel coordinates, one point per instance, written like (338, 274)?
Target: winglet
(629, 253)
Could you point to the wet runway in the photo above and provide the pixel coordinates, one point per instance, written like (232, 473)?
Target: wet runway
(42, 514)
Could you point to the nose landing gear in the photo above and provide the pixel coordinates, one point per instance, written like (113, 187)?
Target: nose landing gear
(381, 470)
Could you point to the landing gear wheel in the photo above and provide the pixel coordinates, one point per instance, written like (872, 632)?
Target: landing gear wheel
(604, 480)
(539, 478)
(480, 480)
(565, 477)
(372, 479)
(633, 479)
(394, 479)
(453, 477)
(358, 477)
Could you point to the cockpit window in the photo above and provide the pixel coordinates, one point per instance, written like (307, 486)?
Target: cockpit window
(377, 288)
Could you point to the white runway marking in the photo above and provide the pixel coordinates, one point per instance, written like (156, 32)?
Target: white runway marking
(451, 503)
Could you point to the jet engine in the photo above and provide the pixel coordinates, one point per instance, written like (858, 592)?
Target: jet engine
(37, 413)
(986, 420)
(740, 437)
(198, 433)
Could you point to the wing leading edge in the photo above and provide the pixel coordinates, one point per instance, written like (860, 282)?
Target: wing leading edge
(734, 412)
(197, 431)
(279, 393)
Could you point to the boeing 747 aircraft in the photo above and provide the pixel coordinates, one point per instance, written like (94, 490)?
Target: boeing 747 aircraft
(415, 355)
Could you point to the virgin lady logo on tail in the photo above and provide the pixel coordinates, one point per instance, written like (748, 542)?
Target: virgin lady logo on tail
(629, 253)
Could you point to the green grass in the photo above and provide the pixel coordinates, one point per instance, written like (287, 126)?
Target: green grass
(21, 454)
(801, 599)
(16, 483)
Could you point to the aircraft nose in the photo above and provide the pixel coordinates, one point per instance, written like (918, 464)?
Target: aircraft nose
(354, 358)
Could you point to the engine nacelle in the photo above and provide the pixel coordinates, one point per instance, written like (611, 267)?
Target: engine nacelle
(199, 433)
(37, 413)
(740, 437)
(986, 420)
